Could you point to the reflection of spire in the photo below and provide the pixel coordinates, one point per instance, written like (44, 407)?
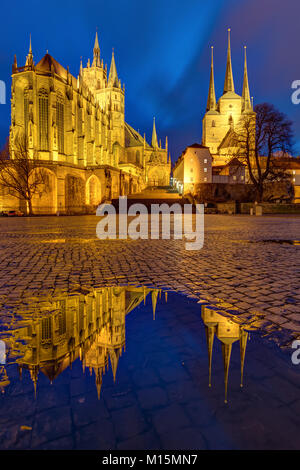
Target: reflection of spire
(211, 100)
(154, 295)
(226, 353)
(228, 84)
(114, 355)
(243, 344)
(166, 296)
(210, 334)
(228, 332)
(98, 374)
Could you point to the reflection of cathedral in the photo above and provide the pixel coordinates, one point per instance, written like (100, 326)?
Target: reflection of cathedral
(76, 128)
(91, 327)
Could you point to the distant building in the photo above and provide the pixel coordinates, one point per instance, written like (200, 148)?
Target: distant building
(222, 116)
(194, 166)
(291, 166)
(233, 172)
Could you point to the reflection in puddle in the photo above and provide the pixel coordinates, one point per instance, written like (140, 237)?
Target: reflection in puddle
(280, 242)
(51, 335)
(91, 327)
(228, 333)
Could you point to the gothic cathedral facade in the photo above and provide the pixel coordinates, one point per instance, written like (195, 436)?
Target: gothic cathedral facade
(76, 128)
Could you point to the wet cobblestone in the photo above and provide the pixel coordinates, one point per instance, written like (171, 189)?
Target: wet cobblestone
(46, 255)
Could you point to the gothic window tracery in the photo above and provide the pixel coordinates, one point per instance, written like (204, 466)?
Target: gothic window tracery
(60, 122)
(43, 119)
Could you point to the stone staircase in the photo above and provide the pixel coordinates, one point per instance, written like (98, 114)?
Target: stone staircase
(155, 195)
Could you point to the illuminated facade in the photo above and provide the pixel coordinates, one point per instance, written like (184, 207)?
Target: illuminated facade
(76, 127)
(223, 116)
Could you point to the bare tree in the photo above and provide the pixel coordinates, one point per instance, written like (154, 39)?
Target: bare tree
(22, 175)
(258, 137)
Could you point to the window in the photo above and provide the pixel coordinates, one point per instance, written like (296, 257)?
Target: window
(192, 170)
(26, 111)
(205, 170)
(213, 124)
(205, 160)
(46, 329)
(43, 119)
(205, 179)
(60, 123)
(294, 172)
(234, 177)
(242, 178)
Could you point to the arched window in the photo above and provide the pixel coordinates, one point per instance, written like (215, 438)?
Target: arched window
(26, 111)
(213, 124)
(60, 123)
(43, 119)
(230, 120)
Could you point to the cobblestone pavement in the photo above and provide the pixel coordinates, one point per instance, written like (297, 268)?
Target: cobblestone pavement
(161, 398)
(240, 267)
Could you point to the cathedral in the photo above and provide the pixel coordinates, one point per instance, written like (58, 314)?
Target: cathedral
(222, 117)
(76, 129)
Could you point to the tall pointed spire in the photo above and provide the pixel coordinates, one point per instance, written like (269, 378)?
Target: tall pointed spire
(96, 59)
(228, 84)
(246, 91)
(113, 80)
(211, 100)
(154, 142)
(29, 58)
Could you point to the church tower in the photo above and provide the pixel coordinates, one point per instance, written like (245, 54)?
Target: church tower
(222, 116)
(115, 95)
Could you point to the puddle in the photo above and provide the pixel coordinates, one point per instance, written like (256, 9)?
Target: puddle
(121, 359)
(280, 242)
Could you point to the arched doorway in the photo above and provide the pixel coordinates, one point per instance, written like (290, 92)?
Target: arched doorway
(93, 191)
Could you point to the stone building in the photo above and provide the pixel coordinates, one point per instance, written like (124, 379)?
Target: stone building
(76, 128)
(223, 116)
(194, 166)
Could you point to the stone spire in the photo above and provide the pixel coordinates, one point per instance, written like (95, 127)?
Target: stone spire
(154, 142)
(211, 100)
(228, 84)
(96, 59)
(113, 80)
(29, 58)
(246, 92)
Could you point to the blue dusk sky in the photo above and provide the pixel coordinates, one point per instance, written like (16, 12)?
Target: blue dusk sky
(162, 50)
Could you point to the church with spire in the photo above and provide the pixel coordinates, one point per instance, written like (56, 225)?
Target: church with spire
(75, 127)
(223, 116)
